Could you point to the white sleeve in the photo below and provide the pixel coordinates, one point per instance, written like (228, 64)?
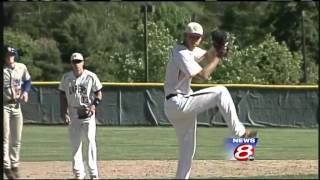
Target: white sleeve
(199, 54)
(26, 76)
(62, 84)
(96, 85)
(187, 64)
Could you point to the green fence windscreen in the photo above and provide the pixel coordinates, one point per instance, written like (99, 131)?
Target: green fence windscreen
(143, 105)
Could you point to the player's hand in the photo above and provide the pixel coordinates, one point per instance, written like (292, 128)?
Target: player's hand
(92, 109)
(24, 97)
(211, 55)
(66, 119)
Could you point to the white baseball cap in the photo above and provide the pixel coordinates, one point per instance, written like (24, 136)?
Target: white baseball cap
(194, 28)
(76, 56)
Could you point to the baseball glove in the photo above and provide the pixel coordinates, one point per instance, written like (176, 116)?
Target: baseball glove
(220, 42)
(83, 113)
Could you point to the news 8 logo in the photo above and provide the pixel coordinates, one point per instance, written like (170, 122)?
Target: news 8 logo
(241, 149)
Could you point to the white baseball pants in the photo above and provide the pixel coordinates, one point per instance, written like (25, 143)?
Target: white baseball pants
(12, 131)
(87, 129)
(182, 111)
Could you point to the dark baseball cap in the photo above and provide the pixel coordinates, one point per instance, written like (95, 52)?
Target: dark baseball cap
(12, 51)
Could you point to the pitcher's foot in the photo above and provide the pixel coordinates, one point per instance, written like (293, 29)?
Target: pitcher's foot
(250, 133)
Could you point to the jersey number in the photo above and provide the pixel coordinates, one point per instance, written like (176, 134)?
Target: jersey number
(84, 99)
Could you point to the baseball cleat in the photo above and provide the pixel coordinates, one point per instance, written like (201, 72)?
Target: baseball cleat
(94, 177)
(80, 177)
(250, 133)
(9, 174)
(15, 172)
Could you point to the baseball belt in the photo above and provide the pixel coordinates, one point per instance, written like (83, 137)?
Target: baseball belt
(173, 95)
(197, 94)
(170, 96)
(12, 102)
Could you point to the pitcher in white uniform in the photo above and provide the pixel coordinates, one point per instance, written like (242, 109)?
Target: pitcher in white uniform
(182, 105)
(80, 94)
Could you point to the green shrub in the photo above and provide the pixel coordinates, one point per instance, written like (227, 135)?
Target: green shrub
(269, 62)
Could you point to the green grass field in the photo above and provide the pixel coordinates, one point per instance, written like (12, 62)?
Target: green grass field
(51, 143)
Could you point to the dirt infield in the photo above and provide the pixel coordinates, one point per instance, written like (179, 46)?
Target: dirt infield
(154, 169)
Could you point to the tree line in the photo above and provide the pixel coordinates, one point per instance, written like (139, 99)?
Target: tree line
(266, 38)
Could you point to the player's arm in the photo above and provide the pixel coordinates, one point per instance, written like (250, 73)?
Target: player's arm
(26, 85)
(193, 70)
(96, 101)
(212, 63)
(98, 95)
(214, 54)
(97, 91)
(64, 107)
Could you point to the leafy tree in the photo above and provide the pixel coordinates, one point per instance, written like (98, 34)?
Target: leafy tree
(42, 57)
(46, 56)
(38, 19)
(97, 27)
(173, 16)
(159, 46)
(127, 62)
(285, 23)
(103, 65)
(26, 46)
(243, 19)
(268, 62)
(77, 34)
(109, 34)
(131, 66)
(250, 22)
